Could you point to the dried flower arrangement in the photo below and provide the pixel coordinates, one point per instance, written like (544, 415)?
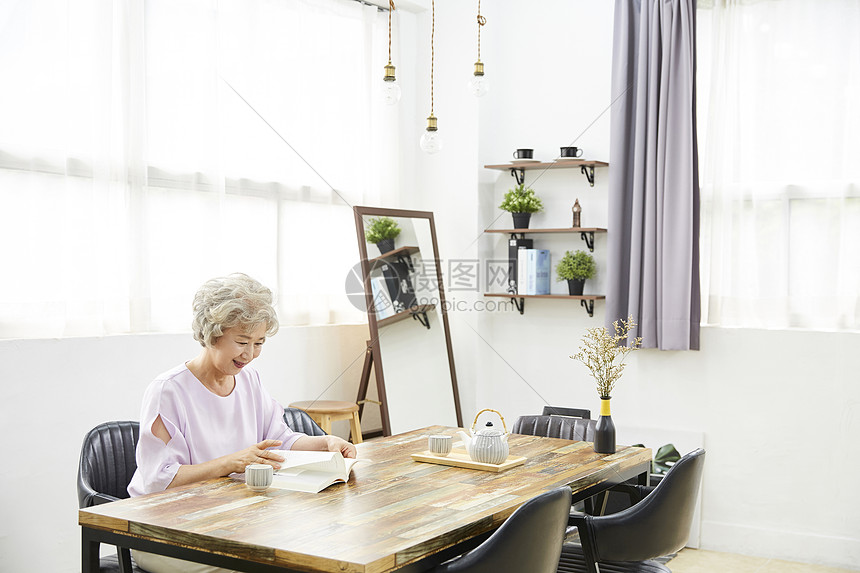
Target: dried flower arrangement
(600, 352)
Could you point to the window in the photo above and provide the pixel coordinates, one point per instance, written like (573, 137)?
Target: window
(779, 104)
(149, 146)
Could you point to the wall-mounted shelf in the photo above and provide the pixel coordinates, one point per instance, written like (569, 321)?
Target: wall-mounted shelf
(518, 170)
(586, 233)
(586, 300)
(418, 313)
(401, 255)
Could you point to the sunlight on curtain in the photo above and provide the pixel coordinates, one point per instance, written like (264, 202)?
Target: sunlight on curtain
(779, 106)
(131, 170)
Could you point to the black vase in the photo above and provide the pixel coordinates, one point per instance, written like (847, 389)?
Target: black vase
(521, 220)
(385, 245)
(575, 286)
(604, 431)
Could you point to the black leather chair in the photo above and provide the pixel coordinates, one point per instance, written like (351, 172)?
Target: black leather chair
(301, 421)
(628, 541)
(555, 427)
(528, 542)
(564, 423)
(104, 472)
(558, 422)
(569, 412)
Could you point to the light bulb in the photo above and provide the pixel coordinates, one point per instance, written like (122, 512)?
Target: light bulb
(390, 88)
(431, 142)
(390, 92)
(478, 85)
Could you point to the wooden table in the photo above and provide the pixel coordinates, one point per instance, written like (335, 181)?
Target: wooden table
(395, 514)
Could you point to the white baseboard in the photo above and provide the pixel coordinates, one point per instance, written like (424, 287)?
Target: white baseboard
(787, 545)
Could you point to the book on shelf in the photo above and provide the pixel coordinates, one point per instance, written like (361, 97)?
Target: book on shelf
(513, 248)
(399, 285)
(533, 271)
(538, 271)
(381, 299)
(522, 270)
(310, 471)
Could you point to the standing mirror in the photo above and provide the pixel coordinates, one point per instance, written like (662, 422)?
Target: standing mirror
(410, 342)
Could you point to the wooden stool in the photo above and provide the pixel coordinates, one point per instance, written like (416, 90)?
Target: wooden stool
(324, 412)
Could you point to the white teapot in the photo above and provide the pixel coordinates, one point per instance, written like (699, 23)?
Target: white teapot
(489, 445)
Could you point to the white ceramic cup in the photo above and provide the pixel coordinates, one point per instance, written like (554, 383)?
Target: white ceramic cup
(258, 477)
(439, 445)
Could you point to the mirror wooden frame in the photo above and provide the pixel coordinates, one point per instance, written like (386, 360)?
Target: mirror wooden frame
(374, 355)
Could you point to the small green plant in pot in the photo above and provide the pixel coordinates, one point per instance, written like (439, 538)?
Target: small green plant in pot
(575, 268)
(521, 202)
(381, 231)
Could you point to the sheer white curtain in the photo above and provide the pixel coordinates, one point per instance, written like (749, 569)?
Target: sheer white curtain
(779, 112)
(148, 146)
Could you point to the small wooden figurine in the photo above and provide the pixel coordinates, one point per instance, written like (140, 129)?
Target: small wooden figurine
(577, 210)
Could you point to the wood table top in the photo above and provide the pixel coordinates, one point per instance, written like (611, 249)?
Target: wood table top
(392, 512)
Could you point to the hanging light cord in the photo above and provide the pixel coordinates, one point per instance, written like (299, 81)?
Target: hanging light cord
(481, 22)
(432, 51)
(391, 9)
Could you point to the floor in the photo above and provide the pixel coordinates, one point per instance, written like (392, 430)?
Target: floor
(701, 561)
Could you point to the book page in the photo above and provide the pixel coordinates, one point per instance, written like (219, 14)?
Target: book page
(303, 480)
(311, 471)
(332, 462)
(313, 476)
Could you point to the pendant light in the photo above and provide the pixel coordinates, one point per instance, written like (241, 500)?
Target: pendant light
(478, 85)
(431, 142)
(390, 88)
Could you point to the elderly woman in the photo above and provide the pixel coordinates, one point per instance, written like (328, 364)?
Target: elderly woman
(211, 416)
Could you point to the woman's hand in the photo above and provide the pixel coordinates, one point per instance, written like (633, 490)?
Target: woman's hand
(325, 444)
(231, 463)
(335, 444)
(256, 454)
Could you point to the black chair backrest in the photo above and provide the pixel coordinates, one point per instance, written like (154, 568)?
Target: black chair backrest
(657, 525)
(555, 427)
(529, 541)
(301, 421)
(570, 412)
(107, 462)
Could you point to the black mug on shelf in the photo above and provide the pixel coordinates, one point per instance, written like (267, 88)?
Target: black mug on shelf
(524, 153)
(571, 152)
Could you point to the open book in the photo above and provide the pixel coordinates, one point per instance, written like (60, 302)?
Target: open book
(311, 471)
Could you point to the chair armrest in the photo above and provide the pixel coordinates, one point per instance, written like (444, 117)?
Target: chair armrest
(582, 522)
(100, 498)
(577, 519)
(636, 493)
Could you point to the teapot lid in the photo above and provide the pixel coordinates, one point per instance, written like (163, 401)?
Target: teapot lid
(490, 431)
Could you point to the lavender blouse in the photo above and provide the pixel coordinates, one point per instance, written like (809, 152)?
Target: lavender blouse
(202, 425)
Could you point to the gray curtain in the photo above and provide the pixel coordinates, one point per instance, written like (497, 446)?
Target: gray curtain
(653, 239)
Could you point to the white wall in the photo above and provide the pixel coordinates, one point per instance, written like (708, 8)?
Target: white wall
(445, 183)
(778, 410)
(55, 391)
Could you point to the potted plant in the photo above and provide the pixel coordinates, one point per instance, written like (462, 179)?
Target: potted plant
(603, 353)
(575, 268)
(521, 202)
(381, 231)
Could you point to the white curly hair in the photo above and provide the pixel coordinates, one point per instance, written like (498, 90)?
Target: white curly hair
(236, 300)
